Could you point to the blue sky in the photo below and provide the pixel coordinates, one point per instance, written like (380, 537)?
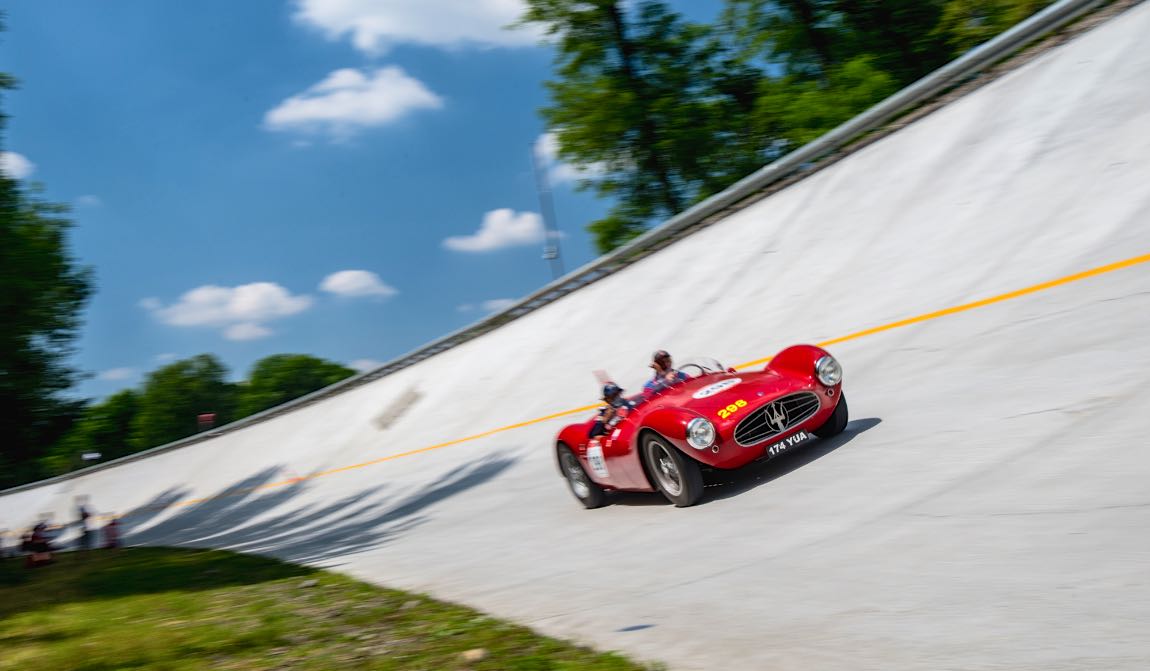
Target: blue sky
(343, 178)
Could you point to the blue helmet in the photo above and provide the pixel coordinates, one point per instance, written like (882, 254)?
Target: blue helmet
(611, 389)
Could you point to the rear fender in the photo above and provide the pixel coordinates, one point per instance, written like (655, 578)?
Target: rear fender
(573, 436)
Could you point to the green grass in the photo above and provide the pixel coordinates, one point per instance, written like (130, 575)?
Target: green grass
(154, 608)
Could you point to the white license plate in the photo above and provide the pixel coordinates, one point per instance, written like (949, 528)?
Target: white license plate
(787, 443)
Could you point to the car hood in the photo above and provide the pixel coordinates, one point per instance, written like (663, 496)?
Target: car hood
(708, 394)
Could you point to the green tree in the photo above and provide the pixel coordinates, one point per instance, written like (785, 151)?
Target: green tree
(282, 377)
(899, 34)
(799, 37)
(42, 293)
(175, 395)
(633, 95)
(105, 428)
(966, 24)
(800, 111)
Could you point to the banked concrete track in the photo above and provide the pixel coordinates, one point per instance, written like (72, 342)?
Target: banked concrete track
(987, 508)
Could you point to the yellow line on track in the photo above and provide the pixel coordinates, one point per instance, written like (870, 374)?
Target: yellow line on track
(976, 304)
(1093, 272)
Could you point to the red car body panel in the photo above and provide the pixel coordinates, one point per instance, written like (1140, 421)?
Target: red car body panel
(711, 396)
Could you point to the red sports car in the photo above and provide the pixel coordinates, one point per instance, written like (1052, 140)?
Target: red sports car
(714, 418)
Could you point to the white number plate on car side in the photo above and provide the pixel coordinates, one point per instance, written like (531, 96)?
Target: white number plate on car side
(595, 459)
(787, 443)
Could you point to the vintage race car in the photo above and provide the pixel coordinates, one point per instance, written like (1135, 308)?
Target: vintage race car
(716, 418)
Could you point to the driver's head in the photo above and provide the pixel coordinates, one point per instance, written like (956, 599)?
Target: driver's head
(611, 390)
(662, 358)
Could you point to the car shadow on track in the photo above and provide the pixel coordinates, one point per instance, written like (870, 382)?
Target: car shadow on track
(725, 484)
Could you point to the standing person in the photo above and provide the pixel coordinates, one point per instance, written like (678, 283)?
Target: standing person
(665, 373)
(85, 523)
(112, 534)
(40, 545)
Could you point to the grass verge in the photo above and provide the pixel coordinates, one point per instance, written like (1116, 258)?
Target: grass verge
(157, 608)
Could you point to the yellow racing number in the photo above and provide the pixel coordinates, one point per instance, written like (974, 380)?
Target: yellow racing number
(731, 409)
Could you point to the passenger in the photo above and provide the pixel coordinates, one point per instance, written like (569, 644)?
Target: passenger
(665, 374)
(615, 410)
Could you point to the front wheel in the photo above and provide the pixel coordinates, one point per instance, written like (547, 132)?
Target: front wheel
(673, 473)
(590, 494)
(837, 421)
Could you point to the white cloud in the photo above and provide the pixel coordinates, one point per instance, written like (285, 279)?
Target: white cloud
(364, 365)
(356, 283)
(117, 374)
(500, 228)
(374, 26)
(498, 304)
(246, 331)
(547, 151)
(241, 311)
(349, 100)
(165, 358)
(493, 305)
(16, 166)
(89, 201)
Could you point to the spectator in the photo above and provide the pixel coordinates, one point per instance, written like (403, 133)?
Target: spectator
(85, 523)
(39, 546)
(112, 534)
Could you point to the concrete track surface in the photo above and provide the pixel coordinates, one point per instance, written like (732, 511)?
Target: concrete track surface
(987, 508)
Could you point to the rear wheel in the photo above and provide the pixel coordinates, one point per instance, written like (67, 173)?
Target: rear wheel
(590, 494)
(672, 472)
(837, 421)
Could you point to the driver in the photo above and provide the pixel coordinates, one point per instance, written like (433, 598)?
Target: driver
(610, 415)
(665, 373)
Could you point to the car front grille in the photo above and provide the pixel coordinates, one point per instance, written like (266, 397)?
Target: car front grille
(776, 417)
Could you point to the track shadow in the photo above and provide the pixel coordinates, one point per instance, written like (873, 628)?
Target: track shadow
(725, 484)
(245, 517)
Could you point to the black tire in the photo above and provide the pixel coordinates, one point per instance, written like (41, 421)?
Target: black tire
(585, 490)
(837, 421)
(675, 475)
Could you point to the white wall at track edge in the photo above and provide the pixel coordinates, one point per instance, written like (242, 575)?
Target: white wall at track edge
(986, 509)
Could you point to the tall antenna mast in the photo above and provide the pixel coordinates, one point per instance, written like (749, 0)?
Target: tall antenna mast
(551, 250)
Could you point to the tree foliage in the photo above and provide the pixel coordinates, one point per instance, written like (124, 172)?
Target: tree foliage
(627, 99)
(671, 112)
(42, 293)
(966, 24)
(174, 396)
(280, 378)
(167, 408)
(104, 428)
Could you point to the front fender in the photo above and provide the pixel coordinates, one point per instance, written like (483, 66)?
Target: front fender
(670, 423)
(797, 361)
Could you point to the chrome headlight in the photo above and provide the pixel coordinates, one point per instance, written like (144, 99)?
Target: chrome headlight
(700, 433)
(828, 371)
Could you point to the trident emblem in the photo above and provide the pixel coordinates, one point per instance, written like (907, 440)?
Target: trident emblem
(777, 416)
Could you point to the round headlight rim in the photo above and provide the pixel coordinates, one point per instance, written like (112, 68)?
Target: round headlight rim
(827, 359)
(695, 421)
